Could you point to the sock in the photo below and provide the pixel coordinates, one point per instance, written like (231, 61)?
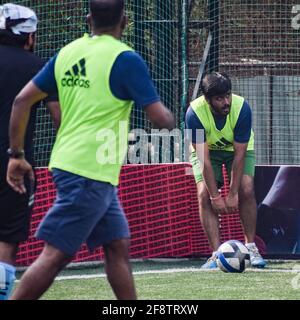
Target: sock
(250, 244)
(7, 278)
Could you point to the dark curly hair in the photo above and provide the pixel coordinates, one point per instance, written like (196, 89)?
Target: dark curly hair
(215, 83)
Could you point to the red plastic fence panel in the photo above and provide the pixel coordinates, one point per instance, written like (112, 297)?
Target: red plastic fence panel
(160, 202)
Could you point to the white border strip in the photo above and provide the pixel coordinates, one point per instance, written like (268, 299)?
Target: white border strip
(137, 273)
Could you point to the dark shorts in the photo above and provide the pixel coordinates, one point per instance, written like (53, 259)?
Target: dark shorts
(15, 210)
(85, 210)
(218, 158)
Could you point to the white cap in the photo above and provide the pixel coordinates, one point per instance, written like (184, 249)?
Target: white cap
(10, 12)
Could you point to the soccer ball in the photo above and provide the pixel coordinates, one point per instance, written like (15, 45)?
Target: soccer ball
(233, 256)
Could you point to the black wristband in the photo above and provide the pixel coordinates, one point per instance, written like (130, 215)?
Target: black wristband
(16, 154)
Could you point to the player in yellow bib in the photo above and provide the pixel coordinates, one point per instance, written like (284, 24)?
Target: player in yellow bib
(98, 78)
(225, 120)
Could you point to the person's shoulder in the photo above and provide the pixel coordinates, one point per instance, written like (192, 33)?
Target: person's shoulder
(16, 51)
(198, 102)
(130, 63)
(19, 56)
(191, 116)
(130, 57)
(245, 115)
(246, 109)
(31, 57)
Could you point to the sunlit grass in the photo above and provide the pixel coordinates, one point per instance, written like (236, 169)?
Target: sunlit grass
(192, 284)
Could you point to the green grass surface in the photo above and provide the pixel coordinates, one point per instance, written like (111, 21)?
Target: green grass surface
(277, 281)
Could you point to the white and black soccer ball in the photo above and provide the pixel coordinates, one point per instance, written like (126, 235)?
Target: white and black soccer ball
(233, 256)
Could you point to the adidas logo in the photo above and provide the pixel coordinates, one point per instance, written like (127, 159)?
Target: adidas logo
(74, 76)
(221, 144)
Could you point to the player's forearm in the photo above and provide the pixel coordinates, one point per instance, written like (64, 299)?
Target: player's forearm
(236, 173)
(160, 116)
(209, 179)
(18, 123)
(54, 109)
(203, 156)
(28, 96)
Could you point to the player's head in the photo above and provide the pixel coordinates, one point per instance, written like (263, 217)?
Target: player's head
(216, 88)
(18, 26)
(107, 15)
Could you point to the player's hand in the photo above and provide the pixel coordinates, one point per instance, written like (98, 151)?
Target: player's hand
(232, 202)
(17, 169)
(218, 205)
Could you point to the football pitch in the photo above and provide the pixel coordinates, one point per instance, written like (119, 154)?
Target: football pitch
(183, 279)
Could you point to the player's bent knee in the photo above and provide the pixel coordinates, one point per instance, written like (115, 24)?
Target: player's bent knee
(202, 192)
(203, 198)
(247, 192)
(54, 257)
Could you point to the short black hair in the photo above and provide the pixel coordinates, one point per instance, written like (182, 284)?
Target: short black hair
(106, 13)
(8, 38)
(215, 83)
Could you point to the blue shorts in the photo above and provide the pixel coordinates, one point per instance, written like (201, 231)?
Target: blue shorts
(85, 210)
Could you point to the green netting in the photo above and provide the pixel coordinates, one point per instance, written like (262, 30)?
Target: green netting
(258, 44)
(59, 23)
(255, 42)
(152, 31)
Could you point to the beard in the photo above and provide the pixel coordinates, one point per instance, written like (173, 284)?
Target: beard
(227, 106)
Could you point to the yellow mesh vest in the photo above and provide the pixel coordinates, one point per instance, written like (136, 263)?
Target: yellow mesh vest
(92, 138)
(220, 139)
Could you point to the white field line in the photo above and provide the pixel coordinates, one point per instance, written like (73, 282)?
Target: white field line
(173, 270)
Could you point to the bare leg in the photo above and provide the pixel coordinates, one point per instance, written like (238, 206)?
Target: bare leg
(8, 252)
(209, 219)
(40, 275)
(118, 269)
(247, 206)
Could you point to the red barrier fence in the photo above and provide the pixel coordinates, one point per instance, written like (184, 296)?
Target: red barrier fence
(161, 206)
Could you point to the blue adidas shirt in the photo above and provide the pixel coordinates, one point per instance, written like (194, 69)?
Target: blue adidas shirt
(242, 130)
(129, 79)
